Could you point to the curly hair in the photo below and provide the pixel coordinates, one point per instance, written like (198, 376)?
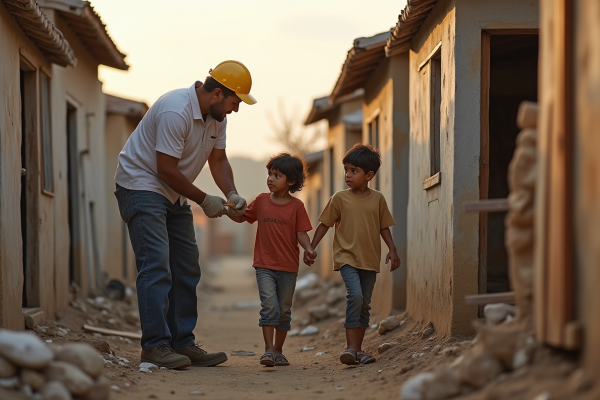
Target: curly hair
(292, 167)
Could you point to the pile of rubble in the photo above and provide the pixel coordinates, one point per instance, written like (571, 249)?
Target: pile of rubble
(37, 370)
(326, 294)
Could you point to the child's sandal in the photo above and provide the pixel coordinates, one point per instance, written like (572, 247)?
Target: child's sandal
(365, 358)
(349, 357)
(267, 359)
(280, 360)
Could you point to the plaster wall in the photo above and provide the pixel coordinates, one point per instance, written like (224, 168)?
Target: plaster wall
(386, 97)
(117, 131)
(14, 47)
(444, 241)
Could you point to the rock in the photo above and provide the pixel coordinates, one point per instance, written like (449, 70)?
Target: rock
(543, 396)
(24, 349)
(83, 356)
(436, 349)
(77, 381)
(497, 313)
(27, 390)
(100, 390)
(449, 351)
(444, 384)
(335, 294)
(388, 324)
(319, 312)
(413, 388)
(32, 378)
(427, 331)
(306, 294)
(9, 383)
(132, 318)
(7, 369)
(294, 332)
(309, 330)
(479, 367)
(386, 346)
(520, 359)
(55, 390)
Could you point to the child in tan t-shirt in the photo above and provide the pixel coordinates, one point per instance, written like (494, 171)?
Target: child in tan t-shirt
(360, 215)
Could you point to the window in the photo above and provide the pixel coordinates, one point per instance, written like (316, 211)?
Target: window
(46, 130)
(374, 141)
(435, 97)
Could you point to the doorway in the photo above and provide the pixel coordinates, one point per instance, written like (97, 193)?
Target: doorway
(72, 196)
(510, 63)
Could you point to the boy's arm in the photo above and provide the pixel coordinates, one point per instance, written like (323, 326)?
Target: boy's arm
(309, 253)
(236, 218)
(392, 255)
(319, 233)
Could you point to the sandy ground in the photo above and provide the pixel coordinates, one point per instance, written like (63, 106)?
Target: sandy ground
(314, 374)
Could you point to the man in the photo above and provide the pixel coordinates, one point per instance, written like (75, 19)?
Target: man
(183, 130)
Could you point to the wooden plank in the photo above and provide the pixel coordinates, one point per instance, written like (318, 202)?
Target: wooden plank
(111, 332)
(489, 298)
(484, 154)
(490, 205)
(432, 181)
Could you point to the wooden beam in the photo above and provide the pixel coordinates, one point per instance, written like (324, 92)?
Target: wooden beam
(111, 332)
(490, 205)
(489, 298)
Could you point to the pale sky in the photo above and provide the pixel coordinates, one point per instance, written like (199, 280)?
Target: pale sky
(294, 51)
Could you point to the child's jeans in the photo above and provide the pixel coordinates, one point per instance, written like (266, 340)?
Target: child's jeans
(276, 290)
(359, 288)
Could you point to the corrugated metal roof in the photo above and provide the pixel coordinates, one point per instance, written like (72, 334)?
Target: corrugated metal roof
(409, 23)
(361, 60)
(88, 27)
(36, 25)
(119, 105)
(323, 105)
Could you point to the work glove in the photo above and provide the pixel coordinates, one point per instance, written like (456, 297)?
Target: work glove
(238, 202)
(213, 206)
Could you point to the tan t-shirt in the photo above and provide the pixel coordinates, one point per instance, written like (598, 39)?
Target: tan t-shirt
(358, 221)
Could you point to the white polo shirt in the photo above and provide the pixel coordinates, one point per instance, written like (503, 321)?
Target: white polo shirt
(173, 126)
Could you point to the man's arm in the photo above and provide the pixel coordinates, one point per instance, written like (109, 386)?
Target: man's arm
(171, 175)
(221, 171)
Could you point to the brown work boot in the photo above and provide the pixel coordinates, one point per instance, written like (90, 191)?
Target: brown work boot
(200, 358)
(164, 356)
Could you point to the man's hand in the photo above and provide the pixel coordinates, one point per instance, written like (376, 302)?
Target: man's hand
(393, 257)
(309, 257)
(213, 206)
(239, 204)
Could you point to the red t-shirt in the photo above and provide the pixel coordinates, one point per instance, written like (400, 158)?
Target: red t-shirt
(276, 245)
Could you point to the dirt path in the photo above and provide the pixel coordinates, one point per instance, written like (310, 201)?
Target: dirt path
(223, 328)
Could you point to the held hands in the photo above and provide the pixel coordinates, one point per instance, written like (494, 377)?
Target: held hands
(239, 204)
(309, 257)
(393, 257)
(213, 206)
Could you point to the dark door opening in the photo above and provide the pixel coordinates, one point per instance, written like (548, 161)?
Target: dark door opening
(72, 196)
(23, 206)
(512, 79)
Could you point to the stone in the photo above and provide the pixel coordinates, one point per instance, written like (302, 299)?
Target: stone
(55, 390)
(33, 379)
(388, 324)
(449, 351)
(445, 383)
(543, 396)
(386, 346)
(27, 390)
(83, 356)
(319, 312)
(7, 369)
(479, 367)
(436, 349)
(9, 383)
(497, 313)
(335, 295)
(413, 388)
(100, 390)
(77, 381)
(309, 330)
(24, 349)
(427, 331)
(132, 318)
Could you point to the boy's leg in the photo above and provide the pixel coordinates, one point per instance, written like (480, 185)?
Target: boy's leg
(269, 313)
(286, 284)
(367, 283)
(354, 301)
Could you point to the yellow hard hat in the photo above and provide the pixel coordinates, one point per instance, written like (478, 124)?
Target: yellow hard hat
(235, 76)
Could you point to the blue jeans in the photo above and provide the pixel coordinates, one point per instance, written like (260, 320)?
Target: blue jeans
(359, 289)
(276, 290)
(167, 261)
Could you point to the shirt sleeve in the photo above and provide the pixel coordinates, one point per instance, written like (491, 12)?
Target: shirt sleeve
(171, 132)
(385, 216)
(221, 135)
(250, 215)
(331, 212)
(302, 221)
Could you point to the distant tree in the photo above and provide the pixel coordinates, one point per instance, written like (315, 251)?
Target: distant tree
(289, 131)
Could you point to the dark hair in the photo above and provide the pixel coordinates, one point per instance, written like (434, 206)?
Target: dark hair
(211, 84)
(364, 156)
(292, 167)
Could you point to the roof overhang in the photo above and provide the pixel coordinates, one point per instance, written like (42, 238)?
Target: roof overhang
(88, 27)
(323, 105)
(129, 108)
(36, 25)
(314, 157)
(353, 120)
(409, 23)
(362, 59)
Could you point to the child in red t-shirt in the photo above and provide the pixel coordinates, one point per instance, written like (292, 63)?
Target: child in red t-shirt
(282, 224)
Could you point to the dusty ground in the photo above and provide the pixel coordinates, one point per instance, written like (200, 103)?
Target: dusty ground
(223, 327)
